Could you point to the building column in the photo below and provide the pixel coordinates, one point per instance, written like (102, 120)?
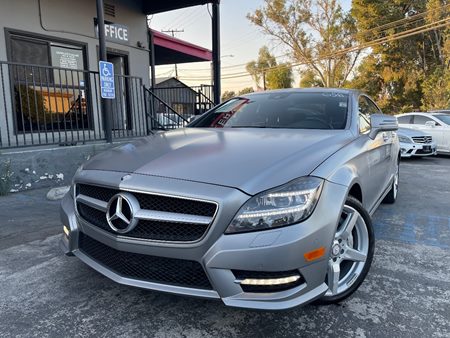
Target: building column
(216, 50)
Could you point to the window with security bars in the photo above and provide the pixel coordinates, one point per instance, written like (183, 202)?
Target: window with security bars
(49, 84)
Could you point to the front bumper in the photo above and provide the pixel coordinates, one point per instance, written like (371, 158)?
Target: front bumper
(417, 149)
(274, 250)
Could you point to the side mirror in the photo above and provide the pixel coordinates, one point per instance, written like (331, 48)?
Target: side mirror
(380, 123)
(430, 124)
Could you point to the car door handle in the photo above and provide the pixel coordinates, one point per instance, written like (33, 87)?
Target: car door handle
(385, 137)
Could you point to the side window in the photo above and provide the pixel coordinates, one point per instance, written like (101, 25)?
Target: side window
(364, 112)
(373, 109)
(420, 119)
(364, 124)
(405, 119)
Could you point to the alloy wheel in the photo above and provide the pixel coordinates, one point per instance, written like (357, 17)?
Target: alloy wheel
(349, 252)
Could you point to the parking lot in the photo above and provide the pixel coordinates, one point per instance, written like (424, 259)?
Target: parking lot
(406, 294)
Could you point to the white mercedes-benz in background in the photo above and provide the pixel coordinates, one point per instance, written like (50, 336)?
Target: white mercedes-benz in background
(415, 143)
(436, 124)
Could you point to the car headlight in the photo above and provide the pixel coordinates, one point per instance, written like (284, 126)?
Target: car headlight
(404, 139)
(285, 205)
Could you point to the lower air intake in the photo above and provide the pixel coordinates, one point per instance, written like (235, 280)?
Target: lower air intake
(178, 272)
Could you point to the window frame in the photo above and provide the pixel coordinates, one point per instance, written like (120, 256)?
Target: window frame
(410, 117)
(26, 35)
(430, 118)
(44, 38)
(366, 117)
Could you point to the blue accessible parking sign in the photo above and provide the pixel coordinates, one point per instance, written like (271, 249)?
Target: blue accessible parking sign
(107, 87)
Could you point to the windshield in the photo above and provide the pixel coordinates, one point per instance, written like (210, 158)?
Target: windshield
(443, 118)
(296, 110)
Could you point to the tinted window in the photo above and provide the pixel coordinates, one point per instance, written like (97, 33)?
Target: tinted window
(327, 110)
(405, 119)
(364, 124)
(420, 119)
(367, 107)
(443, 118)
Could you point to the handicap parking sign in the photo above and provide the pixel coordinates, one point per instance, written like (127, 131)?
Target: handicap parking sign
(107, 87)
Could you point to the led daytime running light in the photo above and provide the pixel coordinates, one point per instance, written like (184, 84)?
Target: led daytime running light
(271, 281)
(291, 193)
(272, 213)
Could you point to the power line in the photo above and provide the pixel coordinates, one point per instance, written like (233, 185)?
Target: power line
(173, 31)
(183, 15)
(191, 18)
(381, 29)
(414, 31)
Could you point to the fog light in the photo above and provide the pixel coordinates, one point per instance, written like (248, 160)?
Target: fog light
(270, 281)
(66, 230)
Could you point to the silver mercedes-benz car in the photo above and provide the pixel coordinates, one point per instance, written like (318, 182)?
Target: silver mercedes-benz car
(263, 202)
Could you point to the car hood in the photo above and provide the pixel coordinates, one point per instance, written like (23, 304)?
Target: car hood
(411, 132)
(251, 160)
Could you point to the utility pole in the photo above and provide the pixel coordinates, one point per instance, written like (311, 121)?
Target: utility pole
(173, 31)
(216, 49)
(105, 104)
(264, 79)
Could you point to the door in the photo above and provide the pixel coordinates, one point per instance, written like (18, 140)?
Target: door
(433, 128)
(380, 162)
(120, 111)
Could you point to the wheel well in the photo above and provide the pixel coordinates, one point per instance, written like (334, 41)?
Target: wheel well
(356, 192)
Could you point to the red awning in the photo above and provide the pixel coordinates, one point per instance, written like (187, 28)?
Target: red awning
(170, 50)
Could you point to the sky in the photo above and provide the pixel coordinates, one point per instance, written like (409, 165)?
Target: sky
(240, 41)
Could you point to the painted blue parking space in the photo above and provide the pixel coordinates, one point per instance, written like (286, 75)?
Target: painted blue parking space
(412, 228)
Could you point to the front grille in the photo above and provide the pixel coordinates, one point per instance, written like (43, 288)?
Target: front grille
(178, 272)
(150, 229)
(422, 139)
(243, 274)
(153, 202)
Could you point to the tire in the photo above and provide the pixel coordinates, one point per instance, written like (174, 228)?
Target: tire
(351, 253)
(391, 197)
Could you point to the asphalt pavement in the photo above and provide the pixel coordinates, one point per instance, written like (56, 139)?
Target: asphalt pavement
(406, 294)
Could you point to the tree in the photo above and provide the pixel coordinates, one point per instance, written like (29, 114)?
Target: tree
(246, 90)
(408, 73)
(309, 79)
(280, 77)
(228, 94)
(313, 31)
(267, 73)
(257, 69)
(436, 90)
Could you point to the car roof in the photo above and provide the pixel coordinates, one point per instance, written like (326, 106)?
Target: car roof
(440, 112)
(306, 90)
(414, 113)
(434, 112)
